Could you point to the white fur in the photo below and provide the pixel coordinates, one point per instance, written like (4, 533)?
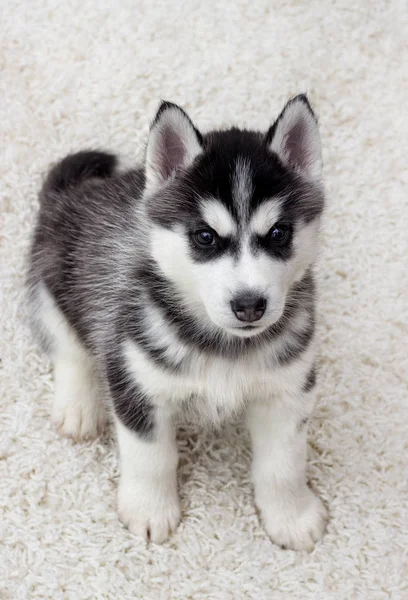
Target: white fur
(266, 215)
(220, 387)
(306, 244)
(293, 516)
(147, 495)
(176, 265)
(242, 187)
(218, 218)
(78, 409)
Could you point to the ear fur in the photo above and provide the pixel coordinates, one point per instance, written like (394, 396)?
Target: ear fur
(295, 138)
(173, 143)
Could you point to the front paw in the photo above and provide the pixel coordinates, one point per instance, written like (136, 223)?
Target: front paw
(293, 521)
(149, 508)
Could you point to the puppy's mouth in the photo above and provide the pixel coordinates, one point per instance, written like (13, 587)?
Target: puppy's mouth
(246, 330)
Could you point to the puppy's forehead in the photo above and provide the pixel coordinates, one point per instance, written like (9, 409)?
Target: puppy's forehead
(242, 187)
(217, 214)
(257, 217)
(243, 213)
(238, 169)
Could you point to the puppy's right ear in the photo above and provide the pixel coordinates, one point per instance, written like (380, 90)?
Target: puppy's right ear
(173, 144)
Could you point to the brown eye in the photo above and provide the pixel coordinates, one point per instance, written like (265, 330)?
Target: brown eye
(204, 237)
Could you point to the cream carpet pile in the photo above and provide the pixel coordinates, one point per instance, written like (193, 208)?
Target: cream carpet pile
(78, 74)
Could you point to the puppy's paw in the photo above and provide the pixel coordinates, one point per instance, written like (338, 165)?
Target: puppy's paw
(80, 421)
(78, 411)
(149, 509)
(295, 522)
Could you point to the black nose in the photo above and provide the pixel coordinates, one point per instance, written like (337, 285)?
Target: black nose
(248, 307)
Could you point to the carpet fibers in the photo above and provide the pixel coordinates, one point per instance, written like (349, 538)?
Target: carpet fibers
(78, 74)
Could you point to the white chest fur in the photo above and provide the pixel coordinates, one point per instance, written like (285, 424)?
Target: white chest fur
(214, 386)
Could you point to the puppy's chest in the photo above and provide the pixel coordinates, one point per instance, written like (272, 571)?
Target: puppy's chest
(214, 386)
(221, 379)
(214, 382)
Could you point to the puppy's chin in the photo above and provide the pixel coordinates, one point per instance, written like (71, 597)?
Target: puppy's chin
(235, 328)
(246, 331)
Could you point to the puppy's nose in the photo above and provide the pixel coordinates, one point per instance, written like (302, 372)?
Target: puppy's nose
(248, 307)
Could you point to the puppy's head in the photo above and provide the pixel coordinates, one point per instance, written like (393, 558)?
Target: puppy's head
(234, 215)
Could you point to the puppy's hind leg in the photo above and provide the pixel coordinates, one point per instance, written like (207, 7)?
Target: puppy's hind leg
(78, 408)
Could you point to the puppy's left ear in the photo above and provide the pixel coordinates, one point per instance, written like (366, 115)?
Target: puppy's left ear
(295, 138)
(173, 143)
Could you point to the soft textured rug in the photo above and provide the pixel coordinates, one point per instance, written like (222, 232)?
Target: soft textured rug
(76, 74)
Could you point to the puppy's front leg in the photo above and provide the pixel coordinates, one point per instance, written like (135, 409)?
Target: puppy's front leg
(148, 502)
(293, 515)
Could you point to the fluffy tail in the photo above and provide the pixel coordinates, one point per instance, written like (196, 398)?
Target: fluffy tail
(75, 168)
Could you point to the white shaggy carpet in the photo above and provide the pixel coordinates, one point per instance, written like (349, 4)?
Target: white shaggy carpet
(82, 73)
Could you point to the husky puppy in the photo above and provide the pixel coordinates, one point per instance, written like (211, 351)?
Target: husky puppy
(187, 284)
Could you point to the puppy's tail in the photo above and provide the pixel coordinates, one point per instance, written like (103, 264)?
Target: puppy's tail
(76, 168)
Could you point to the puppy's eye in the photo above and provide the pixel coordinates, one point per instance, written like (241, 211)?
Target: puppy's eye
(204, 237)
(280, 233)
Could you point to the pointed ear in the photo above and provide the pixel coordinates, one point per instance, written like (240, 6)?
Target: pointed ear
(295, 138)
(173, 143)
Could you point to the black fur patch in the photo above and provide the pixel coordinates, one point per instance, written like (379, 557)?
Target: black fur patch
(78, 167)
(138, 331)
(310, 380)
(131, 405)
(73, 250)
(220, 247)
(276, 251)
